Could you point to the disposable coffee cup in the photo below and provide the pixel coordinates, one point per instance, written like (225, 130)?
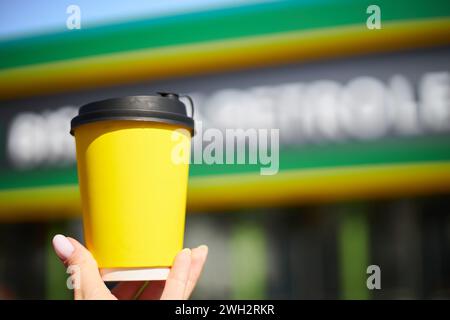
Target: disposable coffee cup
(133, 191)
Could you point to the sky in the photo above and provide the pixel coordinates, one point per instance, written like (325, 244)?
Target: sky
(24, 17)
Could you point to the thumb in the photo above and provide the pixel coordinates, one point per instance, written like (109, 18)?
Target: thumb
(86, 279)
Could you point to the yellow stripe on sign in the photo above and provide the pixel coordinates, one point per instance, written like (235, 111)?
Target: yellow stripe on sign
(42, 203)
(228, 192)
(215, 56)
(314, 186)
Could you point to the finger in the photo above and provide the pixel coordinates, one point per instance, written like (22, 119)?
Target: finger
(153, 291)
(86, 278)
(178, 277)
(198, 258)
(127, 290)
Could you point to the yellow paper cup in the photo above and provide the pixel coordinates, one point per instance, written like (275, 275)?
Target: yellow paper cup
(133, 164)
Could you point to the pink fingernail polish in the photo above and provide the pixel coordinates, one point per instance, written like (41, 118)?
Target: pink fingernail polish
(62, 246)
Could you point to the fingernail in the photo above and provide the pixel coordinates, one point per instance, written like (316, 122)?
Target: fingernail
(185, 253)
(203, 247)
(62, 246)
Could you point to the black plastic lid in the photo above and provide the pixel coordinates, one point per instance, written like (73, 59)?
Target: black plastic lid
(162, 108)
